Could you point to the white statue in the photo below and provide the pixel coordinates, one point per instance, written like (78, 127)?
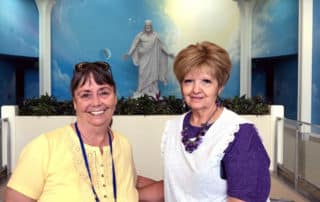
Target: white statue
(151, 57)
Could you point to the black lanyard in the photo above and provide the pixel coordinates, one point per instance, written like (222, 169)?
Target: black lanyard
(84, 155)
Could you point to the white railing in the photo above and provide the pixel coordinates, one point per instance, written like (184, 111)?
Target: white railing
(298, 161)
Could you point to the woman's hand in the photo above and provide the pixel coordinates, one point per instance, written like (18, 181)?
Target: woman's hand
(150, 190)
(14, 196)
(144, 181)
(232, 199)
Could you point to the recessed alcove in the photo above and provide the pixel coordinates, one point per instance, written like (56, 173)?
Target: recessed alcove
(18, 78)
(276, 79)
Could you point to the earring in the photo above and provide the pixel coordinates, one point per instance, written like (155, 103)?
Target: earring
(183, 104)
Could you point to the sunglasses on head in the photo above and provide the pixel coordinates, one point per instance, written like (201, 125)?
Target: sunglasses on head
(87, 65)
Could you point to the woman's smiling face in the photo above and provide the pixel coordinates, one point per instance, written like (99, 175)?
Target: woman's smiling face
(94, 104)
(200, 89)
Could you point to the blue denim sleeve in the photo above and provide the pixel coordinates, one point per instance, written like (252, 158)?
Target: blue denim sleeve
(246, 166)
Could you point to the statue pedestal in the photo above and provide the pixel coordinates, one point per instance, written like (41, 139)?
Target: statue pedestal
(139, 94)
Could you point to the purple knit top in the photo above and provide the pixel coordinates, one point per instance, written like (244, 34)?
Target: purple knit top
(245, 164)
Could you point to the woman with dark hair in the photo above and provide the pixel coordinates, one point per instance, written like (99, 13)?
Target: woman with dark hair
(84, 161)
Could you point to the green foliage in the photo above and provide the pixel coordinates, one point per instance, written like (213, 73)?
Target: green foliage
(49, 105)
(243, 105)
(148, 105)
(46, 105)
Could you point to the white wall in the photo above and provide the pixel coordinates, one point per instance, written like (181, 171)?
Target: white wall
(143, 132)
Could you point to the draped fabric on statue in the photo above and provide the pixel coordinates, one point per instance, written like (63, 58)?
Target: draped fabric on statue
(150, 55)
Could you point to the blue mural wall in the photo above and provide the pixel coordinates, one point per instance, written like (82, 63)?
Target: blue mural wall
(316, 63)
(18, 78)
(275, 28)
(275, 38)
(18, 37)
(286, 85)
(19, 27)
(31, 83)
(7, 83)
(83, 30)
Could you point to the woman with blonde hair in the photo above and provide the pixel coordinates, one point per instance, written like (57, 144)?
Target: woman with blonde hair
(210, 153)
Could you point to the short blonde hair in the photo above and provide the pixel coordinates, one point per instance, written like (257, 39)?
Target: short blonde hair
(206, 53)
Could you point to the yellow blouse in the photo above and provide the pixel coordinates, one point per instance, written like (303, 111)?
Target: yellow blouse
(51, 168)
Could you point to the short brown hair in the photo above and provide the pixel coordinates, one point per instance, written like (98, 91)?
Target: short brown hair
(205, 53)
(101, 72)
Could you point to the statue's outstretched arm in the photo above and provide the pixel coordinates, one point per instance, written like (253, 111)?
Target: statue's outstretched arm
(164, 49)
(133, 47)
(134, 44)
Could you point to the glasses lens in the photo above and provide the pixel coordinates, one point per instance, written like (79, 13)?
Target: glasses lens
(85, 65)
(105, 66)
